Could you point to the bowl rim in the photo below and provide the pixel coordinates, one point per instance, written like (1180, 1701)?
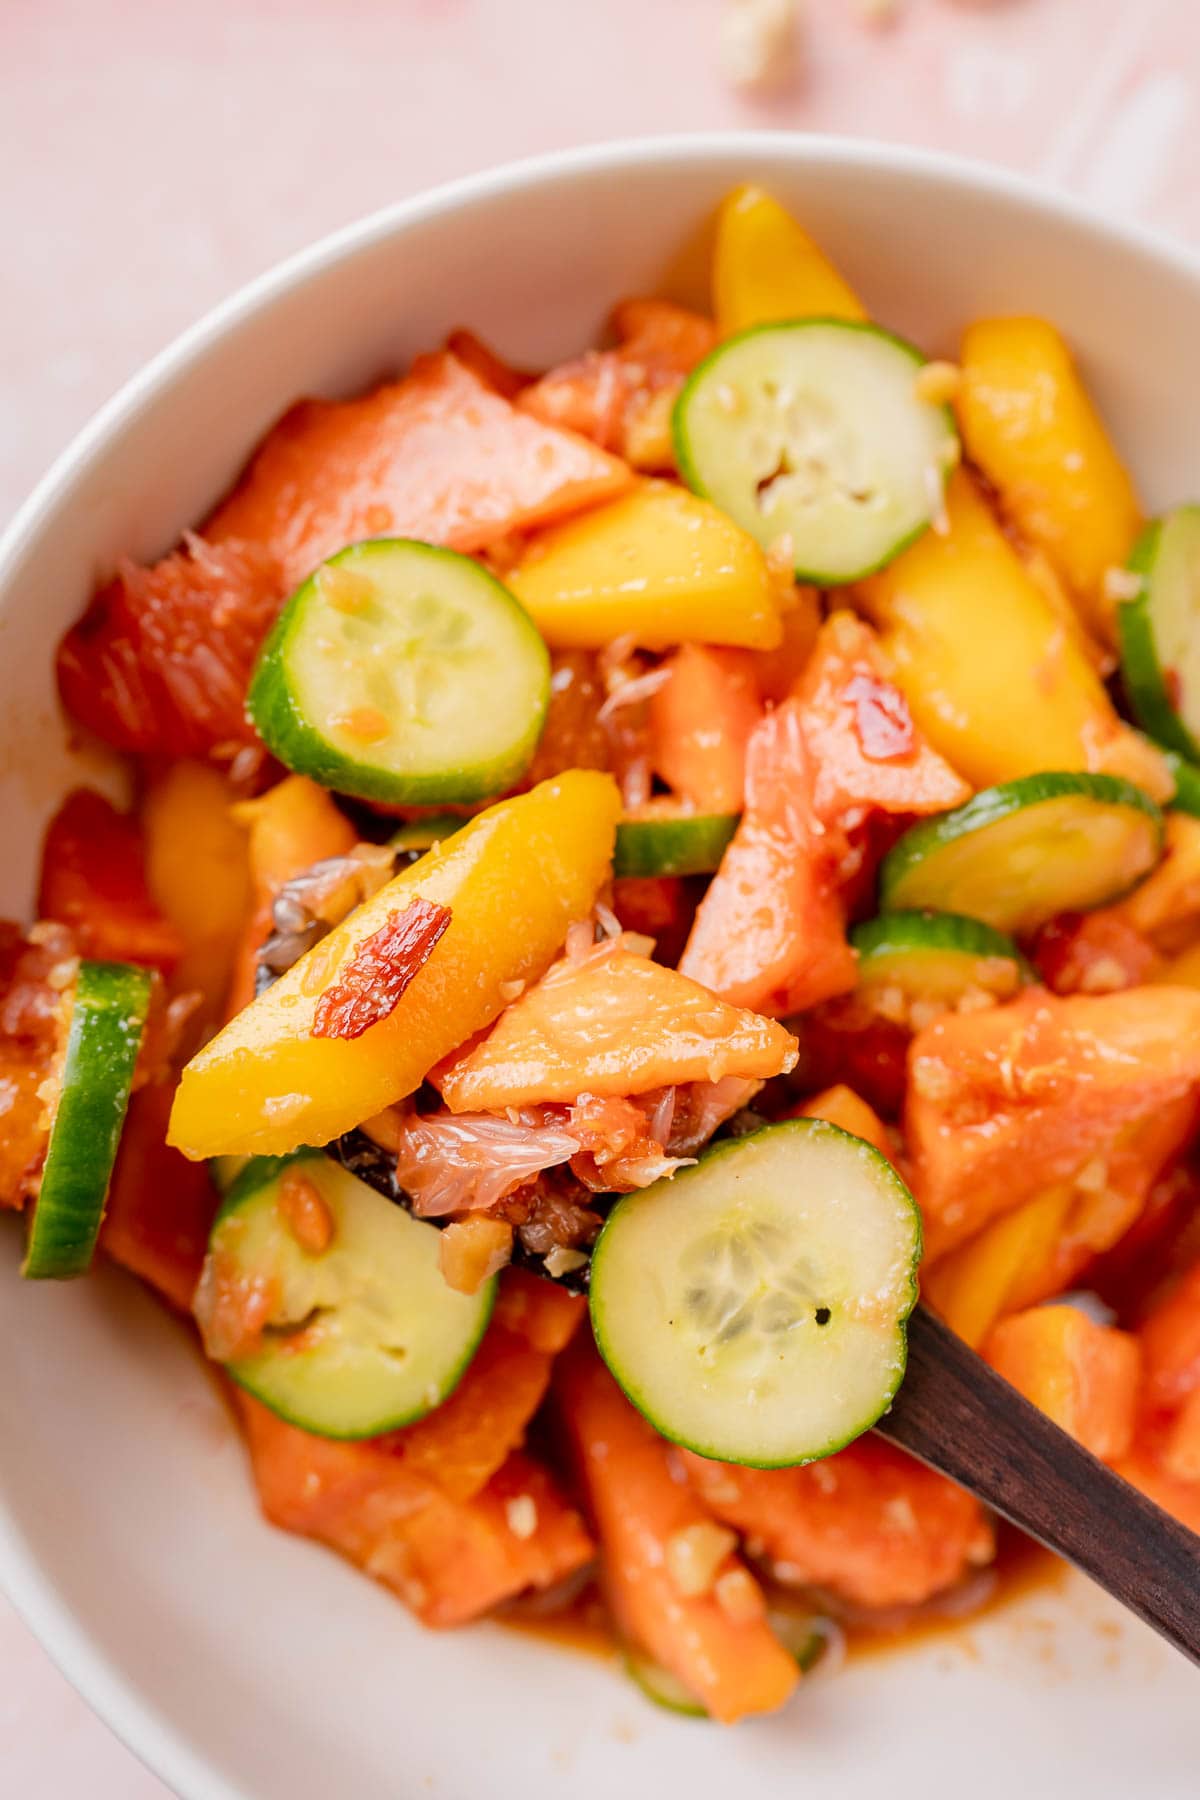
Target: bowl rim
(28, 1584)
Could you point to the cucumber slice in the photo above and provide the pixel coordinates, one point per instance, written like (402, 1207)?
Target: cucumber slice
(936, 956)
(225, 1171)
(660, 1686)
(1186, 797)
(812, 430)
(753, 1307)
(1160, 632)
(1018, 854)
(422, 834)
(664, 841)
(108, 1018)
(803, 1637)
(404, 673)
(364, 1335)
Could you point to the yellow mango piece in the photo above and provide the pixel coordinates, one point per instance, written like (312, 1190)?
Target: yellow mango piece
(994, 682)
(1028, 422)
(766, 267)
(514, 879)
(972, 1286)
(660, 566)
(197, 871)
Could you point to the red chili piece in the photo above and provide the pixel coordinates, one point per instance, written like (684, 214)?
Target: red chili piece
(882, 719)
(379, 971)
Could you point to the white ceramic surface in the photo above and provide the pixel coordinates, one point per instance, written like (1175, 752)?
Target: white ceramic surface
(244, 1665)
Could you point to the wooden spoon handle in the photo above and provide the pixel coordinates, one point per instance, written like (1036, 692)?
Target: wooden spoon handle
(956, 1414)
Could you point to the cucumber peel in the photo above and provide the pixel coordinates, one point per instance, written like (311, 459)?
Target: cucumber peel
(1018, 854)
(363, 1334)
(936, 956)
(1159, 632)
(108, 1018)
(812, 430)
(753, 1307)
(403, 673)
(672, 843)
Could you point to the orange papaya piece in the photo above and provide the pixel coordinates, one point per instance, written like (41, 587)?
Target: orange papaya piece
(460, 1445)
(450, 1561)
(770, 931)
(1010, 1102)
(700, 724)
(188, 823)
(160, 1206)
(867, 751)
(94, 880)
(610, 1022)
(1180, 1498)
(1171, 1346)
(545, 1315)
(438, 455)
(867, 1522)
(729, 1659)
(840, 1105)
(1082, 1375)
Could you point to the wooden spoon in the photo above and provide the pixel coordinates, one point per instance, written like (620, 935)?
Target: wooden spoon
(956, 1414)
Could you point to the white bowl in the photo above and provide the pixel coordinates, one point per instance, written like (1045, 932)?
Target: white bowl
(240, 1662)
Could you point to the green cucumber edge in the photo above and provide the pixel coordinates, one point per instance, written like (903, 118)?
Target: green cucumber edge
(1186, 798)
(272, 710)
(258, 1173)
(925, 930)
(1141, 673)
(687, 844)
(104, 1038)
(726, 1147)
(687, 469)
(993, 804)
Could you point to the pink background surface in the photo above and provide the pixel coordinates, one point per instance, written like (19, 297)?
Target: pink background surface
(157, 155)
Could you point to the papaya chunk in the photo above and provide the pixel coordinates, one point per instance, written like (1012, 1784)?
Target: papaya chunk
(160, 1206)
(734, 1666)
(438, 455)
(1008, 1103)
(868, 1522)
(94, 880)
(545, 1315)
(770, 931)
(450, 1561)
(610, 1022)
(841, 1106)
(1084, 1376)
(700, 725)
(459, 1446)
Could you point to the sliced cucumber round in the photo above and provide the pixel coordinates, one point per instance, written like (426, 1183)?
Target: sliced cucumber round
(403, 673)
(1017, 855)
(362, 1333)
(1186, 797)
(1160, 632)
(660, 1686)
(813, 430)
(753, 1306)
(936, 956)
(108, 1018)
(419, 835)
(661, 840)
